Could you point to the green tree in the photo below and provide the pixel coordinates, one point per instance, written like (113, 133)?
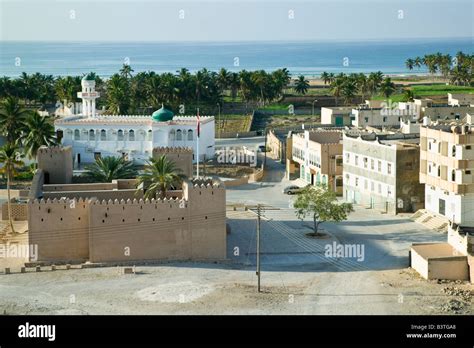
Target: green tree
(111, 168)
(301, 85)
(12, 118)
(118, 96)
(410, 63)
(126, 71)
(387, 87)
(336, 87)
(38, 131)
(10, 157)
(325, 77)
(408, 95)
(159, 175)
(322, 205)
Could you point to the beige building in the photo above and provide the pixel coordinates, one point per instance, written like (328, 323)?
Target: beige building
(381, 171)
(181, 156)
(316, 157)
(190, 226)
(336, 116)
(447, 170)
(458, 99)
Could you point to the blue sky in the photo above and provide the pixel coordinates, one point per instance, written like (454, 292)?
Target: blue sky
(231, 20)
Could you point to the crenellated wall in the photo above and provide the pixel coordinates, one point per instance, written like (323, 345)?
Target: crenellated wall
(56, 163)
(60, 228)
(112, 230)
(181, 156)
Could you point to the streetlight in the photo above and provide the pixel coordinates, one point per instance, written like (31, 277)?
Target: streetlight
(219, 119)
(314, 101)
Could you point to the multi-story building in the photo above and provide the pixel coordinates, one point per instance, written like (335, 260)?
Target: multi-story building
(381, 171)
(317, 156)
(447, 170)
(336, 116)
(387, 115)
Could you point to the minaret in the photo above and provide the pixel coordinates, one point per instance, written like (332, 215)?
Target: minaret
(88, 95)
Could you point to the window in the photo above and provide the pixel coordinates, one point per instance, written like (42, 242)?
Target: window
(389, 168)
(77, 134)
(179, 135)
(468, 172)
(172, 134)
(357, 182)
(339, 181)
(366, 161)
(103, 135)
(190, 135)
(453, 152)
(372, 164)
(150, 135)
(120, 135)
(356, 160)
(91, 135)
(348, 157)
(384, 119)
(389, 192)
(439, 171)
(453, 175)
(468, 147)
(379, 164)
(366, 119)
(439, 147)
(131, 135)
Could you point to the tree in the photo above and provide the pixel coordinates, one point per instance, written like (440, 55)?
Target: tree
(111, 168)
(325, 77)
(160, 175)
(38, 131)
(10, 157)
(126, 71)
(387, 87)
(408, 95)
(301, 85)
(349, 89)
(410, 63)
(118, 96)
(12, 118)
(336, 87)
(321, 204)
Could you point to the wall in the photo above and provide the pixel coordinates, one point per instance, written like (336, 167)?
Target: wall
(182, 157)
(410, 194)
(56, 163)
(60, 228)
(19, 211)
(190, 227)
(455, 268)
(99, 194)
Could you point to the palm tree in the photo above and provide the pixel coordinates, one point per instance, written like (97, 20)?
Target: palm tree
(223, 80)
(118, 98)
(39, 131)
(234, 84)
(375, 79)
(336, 87)
(349, 90)
(325, 77)
(160, 175)
(408, 95)
(387, 87)
(12, 118)
(126, 71)
(301, 85)
(111, 168)
(410, 63)
(10, 157)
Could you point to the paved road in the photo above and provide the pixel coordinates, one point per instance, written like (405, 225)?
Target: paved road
(385, 241)
(254, 141)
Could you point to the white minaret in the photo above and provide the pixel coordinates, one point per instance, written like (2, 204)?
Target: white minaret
(88, 95)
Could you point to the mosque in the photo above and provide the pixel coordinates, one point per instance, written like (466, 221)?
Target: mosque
(132, 136)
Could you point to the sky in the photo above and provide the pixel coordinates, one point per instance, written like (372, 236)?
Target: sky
(232, 20)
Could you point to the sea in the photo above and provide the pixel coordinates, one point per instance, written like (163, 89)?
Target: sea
(300, 58)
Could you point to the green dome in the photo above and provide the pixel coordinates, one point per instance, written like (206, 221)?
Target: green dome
(89, 77)
(162, 115)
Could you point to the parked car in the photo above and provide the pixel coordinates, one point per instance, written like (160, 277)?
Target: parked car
(262, 148)
(292, 190)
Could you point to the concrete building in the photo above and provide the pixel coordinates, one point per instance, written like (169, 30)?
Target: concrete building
(447, 170)
(385, 116)
(458, 99)
(277, 143)
(336, 116)
(131, 136)
(381, 171)
(317, 157)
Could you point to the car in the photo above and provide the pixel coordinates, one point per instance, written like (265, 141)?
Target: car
(262, 148)
(292, 190)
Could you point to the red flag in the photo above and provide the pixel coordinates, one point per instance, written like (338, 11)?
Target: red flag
(198, 124)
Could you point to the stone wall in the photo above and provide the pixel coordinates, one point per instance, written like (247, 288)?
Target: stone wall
(56, 163)
(19, 211)
(181, 156)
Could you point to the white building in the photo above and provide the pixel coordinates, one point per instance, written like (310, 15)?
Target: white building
(447, 170)
(131, 136)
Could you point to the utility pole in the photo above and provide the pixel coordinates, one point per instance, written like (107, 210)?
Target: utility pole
(258, 246)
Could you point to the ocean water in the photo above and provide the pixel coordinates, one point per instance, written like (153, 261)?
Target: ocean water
(307, 58)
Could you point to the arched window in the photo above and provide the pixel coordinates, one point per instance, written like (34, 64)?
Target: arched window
(190, 134)
(453, 175)
(179, 135)
(91, 135)
(131, 135)
(120, 134)
(103, 135)
(150, 135)
(454, 151)
(172, 134)
(77, 134)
